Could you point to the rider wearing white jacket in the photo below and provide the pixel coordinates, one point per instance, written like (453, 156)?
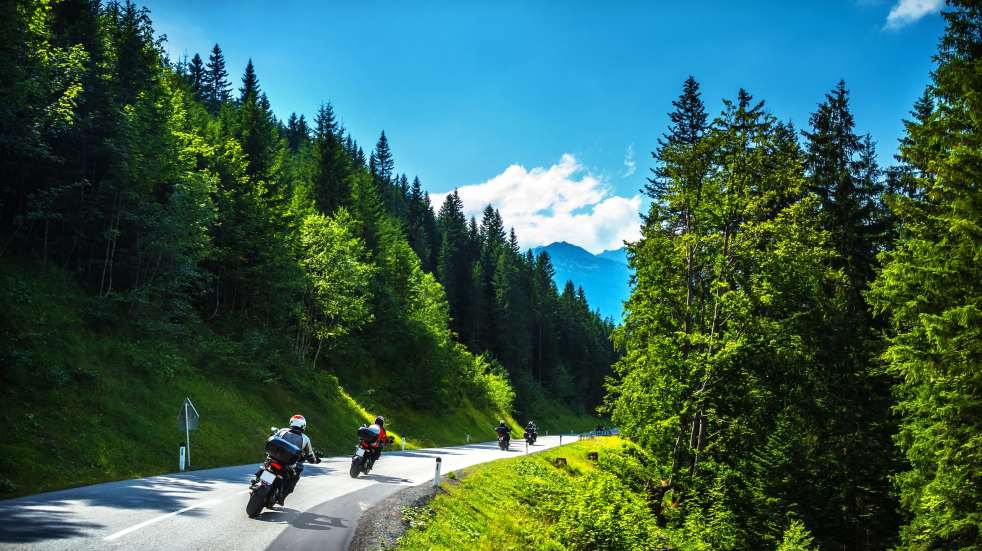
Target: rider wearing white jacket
(294, 434)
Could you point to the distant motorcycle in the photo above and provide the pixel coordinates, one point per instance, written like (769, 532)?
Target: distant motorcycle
(364, 458)
(531, 436)
(504, 439)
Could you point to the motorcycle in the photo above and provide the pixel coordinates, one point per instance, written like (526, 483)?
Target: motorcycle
(278, 468)
(364, 458)
(504, 440)
(531, 436)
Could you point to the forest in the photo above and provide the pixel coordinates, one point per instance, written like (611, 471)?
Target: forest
(176, 198)
(802, 342)
(800, 361)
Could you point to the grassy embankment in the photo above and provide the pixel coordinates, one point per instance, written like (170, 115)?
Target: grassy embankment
(530, 503)
(85, 401)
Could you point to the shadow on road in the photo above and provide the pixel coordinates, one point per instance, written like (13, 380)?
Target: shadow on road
(313, 521)
(28, 526)
(51, 516)
(383, 479)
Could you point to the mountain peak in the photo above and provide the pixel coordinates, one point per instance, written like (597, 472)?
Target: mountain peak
(604, 277)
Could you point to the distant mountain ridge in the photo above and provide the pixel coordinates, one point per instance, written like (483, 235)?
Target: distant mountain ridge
(605, 277)
(617, 255)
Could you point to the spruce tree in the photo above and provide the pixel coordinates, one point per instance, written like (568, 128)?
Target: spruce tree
(196, 76)
(250, 84)
(217, 88)
(383, 163)
(843, 171)
(930, 288)
(331, 185)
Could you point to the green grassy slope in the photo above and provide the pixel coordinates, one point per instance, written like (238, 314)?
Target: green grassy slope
(85, 401)
(505, 504)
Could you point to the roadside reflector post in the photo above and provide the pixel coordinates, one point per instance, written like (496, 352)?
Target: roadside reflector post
(560, 439)
(436, 473)
(468, 439)
(403, 443)
(182, 458)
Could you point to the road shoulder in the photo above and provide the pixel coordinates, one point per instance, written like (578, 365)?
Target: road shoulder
(381, 526)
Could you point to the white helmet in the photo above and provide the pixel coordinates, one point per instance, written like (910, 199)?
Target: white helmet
(298, 422)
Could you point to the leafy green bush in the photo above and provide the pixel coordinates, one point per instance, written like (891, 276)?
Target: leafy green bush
(604, 513)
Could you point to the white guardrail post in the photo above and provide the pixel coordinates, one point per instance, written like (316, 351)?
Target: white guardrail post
(436, 474)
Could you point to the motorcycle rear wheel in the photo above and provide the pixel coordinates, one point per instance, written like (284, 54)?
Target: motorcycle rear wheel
(355, 467)
(257, 501)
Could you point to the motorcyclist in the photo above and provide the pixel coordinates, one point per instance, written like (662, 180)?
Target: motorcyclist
(531, 429)
(294, 434)
(377, 446)
(502, 429)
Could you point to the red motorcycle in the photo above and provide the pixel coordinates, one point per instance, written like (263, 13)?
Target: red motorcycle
(366, 451)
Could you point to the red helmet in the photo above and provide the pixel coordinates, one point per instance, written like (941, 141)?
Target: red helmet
(297, 421)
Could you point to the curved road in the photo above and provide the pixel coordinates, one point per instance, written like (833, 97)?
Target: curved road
(206, 509)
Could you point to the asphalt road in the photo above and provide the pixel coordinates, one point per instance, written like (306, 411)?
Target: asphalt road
(206, 509)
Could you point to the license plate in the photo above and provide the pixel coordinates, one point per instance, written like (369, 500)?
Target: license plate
(360, 452)
(267, 477)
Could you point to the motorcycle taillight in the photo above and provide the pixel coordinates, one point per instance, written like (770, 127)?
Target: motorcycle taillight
(275, 465)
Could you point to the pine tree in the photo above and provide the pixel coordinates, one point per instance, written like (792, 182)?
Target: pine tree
(250, 84)
(930, 288)
(217, 88)
(843, 171)
(331, 183)
(382, 161)
(687, 128)
(196, 76)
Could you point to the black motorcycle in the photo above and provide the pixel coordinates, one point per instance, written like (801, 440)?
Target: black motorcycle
(278, 469)
(504, 439)
(531, 436)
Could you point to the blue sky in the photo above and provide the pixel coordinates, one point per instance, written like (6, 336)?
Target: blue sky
(528, 99)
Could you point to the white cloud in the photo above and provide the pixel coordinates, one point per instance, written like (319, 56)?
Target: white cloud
(630, 165)
(563, 202)
(906, 12)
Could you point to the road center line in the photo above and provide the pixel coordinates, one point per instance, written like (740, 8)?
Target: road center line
(155, 520)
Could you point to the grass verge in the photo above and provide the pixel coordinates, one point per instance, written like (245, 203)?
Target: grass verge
(527, 503)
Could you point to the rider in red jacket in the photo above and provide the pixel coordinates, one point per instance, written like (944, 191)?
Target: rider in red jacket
(380, 443)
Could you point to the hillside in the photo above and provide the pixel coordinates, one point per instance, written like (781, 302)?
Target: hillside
(605, 277)
(164, 234)
(95, 403)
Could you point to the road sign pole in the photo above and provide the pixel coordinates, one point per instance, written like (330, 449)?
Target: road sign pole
(187, 431)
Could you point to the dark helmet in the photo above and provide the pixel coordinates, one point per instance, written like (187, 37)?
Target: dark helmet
(380, 421)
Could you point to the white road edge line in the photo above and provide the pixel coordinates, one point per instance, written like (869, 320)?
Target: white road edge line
(155, 520)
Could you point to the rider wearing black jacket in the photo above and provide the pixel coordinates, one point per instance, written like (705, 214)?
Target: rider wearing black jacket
(502, 428)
